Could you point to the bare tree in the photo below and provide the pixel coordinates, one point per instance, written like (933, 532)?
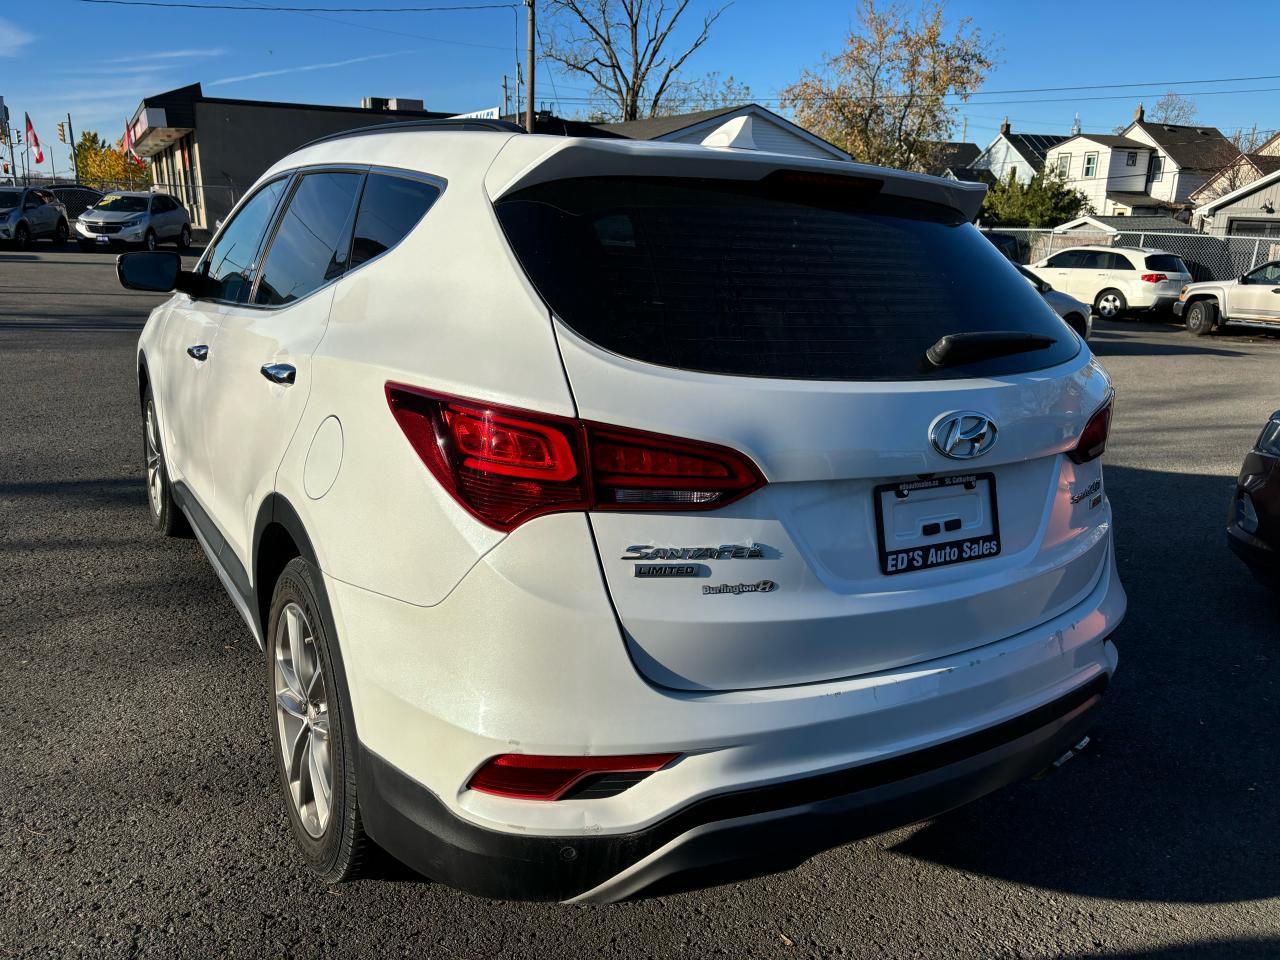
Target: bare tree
(1174, 108)
(704, 93)
(884, 97)
(622, 47)
(1240, 171)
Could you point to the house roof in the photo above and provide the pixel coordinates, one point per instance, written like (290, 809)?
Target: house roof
(1203, 149)
(1234, 195)
(956, 153)
(1127, 224)
(661, 128)
(1033, 146)
(1263, 163)
(1134, 198)
(1107, 140)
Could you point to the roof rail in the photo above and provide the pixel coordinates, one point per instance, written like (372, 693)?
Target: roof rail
(470, 123)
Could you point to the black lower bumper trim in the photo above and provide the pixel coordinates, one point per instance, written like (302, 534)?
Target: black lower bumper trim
(787, 821)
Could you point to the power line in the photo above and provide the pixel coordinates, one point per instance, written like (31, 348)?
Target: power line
(396, 33)
(177, 5)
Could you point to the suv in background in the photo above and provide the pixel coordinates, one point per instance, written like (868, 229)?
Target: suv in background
(606, 511)
(1116, 280)
(134, 217)
(1252, 300)
(27, 214)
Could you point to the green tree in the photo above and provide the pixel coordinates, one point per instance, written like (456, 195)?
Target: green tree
(1045, 201)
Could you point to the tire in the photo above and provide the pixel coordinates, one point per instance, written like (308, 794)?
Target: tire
(311, 722)
(22, 237)
(1077, 323)
(150, 241)
(184, 239)
(1201, 317)
(61, 234)
(166, 517)
(1110, 304)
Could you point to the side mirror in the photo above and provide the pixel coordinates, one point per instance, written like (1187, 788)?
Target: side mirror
(1244, 279)
(156, 271)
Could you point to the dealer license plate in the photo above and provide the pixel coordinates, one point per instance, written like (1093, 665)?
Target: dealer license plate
(936, 522)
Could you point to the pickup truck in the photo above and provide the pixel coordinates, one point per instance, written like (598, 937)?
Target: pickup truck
(1252, 300)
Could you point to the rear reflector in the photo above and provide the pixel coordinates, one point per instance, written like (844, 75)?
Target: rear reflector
(1093, 441)
(506, 466)
(526, 777)
(1154, 277)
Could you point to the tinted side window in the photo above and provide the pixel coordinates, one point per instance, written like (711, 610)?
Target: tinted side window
(389, 209)
(1117, 261)
(229, 263)
(33, 200)
(1093, 260)
(1166, 262)
(1070, 258)
(310, 247)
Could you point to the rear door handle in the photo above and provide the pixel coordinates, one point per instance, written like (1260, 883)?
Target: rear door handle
(198, 352)
(279, 372)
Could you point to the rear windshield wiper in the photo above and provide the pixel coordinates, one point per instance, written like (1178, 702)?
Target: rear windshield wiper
(958, 349)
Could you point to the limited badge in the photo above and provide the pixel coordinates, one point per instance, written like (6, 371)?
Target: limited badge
(651, 570)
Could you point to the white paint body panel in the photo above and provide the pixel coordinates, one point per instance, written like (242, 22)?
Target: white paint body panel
(461, 642)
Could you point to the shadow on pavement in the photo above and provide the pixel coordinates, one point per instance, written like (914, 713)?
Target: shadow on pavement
(1177, 802)
(1260, 947)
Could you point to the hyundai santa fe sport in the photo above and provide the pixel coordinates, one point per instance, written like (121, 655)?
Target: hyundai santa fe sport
(615, 510)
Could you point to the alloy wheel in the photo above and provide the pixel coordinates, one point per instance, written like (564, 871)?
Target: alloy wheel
(155, 478)
(302, 713)
(1109, 306)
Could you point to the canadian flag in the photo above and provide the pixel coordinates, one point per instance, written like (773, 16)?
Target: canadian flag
(33, 140)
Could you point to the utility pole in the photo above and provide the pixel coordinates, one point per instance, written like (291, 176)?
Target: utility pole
(533, 26)
(506, 99)
(75, 161)
(963, 137)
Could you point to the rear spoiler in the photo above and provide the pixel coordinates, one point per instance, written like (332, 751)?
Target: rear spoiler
(525, 161)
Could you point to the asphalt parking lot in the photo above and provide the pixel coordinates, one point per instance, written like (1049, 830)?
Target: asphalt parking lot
(137, 791)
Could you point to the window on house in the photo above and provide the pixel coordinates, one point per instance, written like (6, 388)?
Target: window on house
(1064, 164)
(1157, 169)
(1090, 165)
(1131, 158)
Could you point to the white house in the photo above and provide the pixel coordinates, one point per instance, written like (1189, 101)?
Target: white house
(1183, 157)
(1111, 171)
(1019, 153)
(770, 131)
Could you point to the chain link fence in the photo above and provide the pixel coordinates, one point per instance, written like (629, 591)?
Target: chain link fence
(1207, 257)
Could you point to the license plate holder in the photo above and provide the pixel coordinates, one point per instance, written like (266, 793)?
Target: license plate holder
(951, 520)
(100, 238)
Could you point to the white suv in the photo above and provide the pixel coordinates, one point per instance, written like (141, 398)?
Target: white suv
(1116, 280)
(605, 509)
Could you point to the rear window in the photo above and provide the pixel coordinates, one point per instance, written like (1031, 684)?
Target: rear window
(792, 276)
(1167, 263)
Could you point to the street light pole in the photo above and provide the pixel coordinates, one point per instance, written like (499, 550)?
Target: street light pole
(75, 160)
(528, 114)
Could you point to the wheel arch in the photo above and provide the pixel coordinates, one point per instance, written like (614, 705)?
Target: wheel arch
(144, 377)
(279, 535)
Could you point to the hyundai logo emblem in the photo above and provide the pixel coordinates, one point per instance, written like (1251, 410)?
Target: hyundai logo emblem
(963, 435)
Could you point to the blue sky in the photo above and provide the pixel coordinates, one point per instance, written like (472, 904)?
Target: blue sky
(98, 61)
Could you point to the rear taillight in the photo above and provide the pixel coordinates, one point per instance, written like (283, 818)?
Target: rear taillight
(507, 466)
(527, 777)
(1154, 278)
(1093, 441)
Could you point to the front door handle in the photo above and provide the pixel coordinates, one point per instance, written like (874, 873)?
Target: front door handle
(1275, 289)
(279, 372)
(198, 352)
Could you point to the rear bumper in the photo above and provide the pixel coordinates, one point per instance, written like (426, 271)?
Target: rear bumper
(725, 836)
(1177, 308)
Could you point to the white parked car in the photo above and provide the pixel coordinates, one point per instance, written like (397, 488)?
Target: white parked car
(1116, 280)
(1076, 313)
(1252, 300)
(605, 511)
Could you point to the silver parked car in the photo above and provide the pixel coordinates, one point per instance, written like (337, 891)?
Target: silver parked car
(1252, 300)
(134, 217)
(27, 214)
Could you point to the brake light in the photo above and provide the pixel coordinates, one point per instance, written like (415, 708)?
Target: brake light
(1093, 439)
(527, 777)
(506, 466)
(1154, 277)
